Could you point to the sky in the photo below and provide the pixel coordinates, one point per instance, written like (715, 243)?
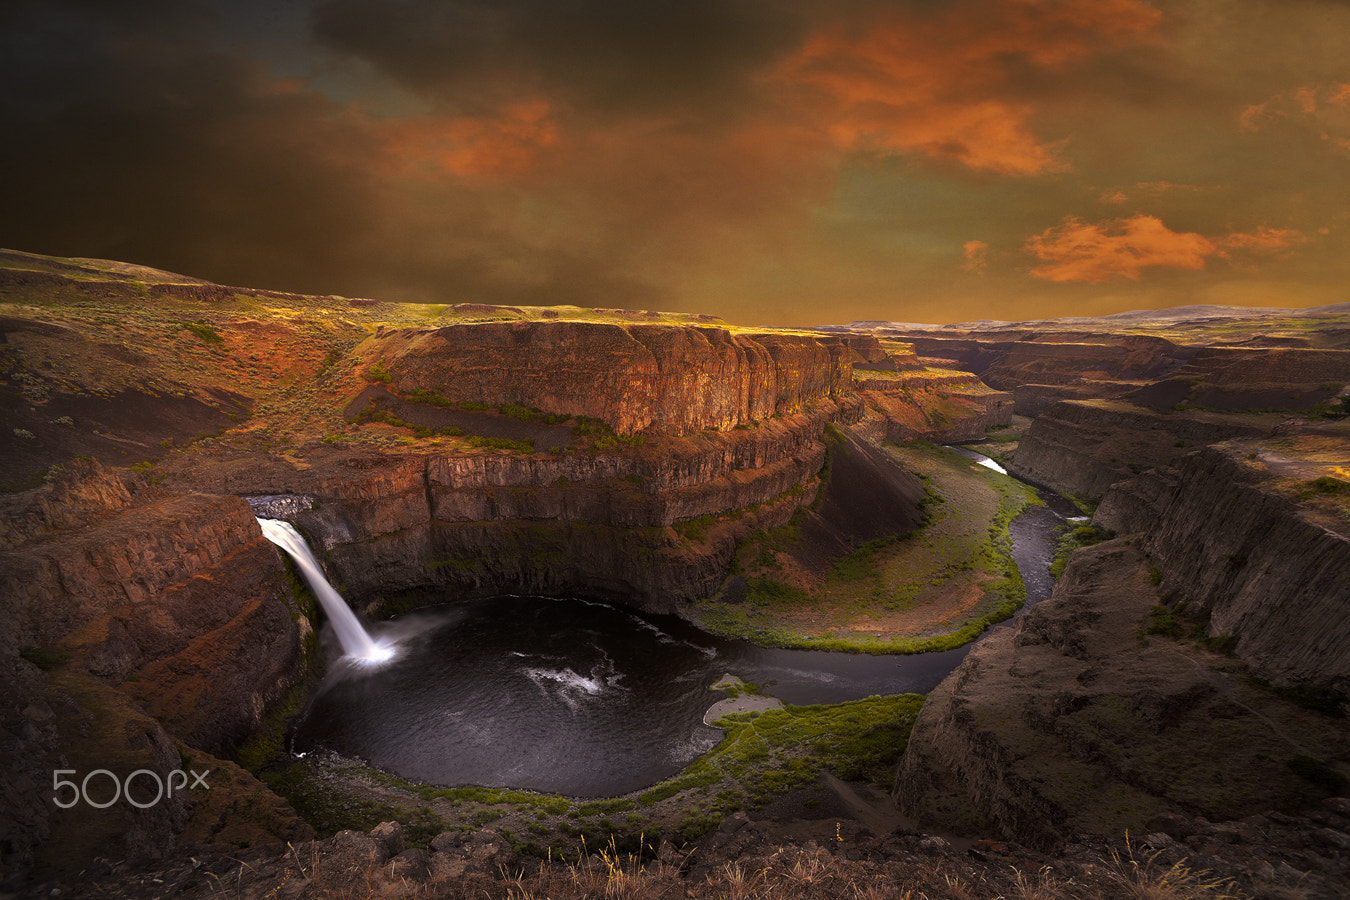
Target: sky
(794, 162)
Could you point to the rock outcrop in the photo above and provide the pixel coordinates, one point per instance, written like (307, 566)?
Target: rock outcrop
(596, 523)
(1233, 378)
(1083, 447)
(1260, 569)
(1076, 721)
(939, 405)
(132, 622)
(664, 378)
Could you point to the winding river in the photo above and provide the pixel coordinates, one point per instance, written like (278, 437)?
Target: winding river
(585, 699)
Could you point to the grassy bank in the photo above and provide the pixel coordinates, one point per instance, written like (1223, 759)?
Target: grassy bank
(934, 589)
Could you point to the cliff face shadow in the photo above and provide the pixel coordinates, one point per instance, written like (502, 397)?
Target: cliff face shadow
(868, 496)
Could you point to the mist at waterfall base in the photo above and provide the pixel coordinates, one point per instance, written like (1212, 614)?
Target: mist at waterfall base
(585, 699)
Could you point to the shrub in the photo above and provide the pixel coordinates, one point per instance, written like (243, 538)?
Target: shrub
(694, 529)
(861, 563)
(204, 331)
(1335, 409)
(1325, 701)
(431, 398)
(1161, 620)
(1225, 644)
(1328, 485)
(1075, 539)
(521, 413)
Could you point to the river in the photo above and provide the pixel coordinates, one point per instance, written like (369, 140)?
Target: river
(585, 699)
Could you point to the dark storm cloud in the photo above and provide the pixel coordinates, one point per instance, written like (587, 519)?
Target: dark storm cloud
(616, 56)
(744, 157)
(131, 135)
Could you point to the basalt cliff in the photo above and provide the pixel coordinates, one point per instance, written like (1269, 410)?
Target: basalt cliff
(1195, 664)
(607, 454)
(635, 377)
(1197, 667)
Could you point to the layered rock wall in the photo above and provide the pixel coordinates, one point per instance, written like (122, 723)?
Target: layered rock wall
(1083, 447)
(593, 523)
(1264, 571)
(1074, 721)
(1234, 378)
(185, 589)
(84, 493)
(666, 378)
(945, 407)
(969, 354)
(1063, 361)
(1267, 365)
(153, 620)
(1033, 399)
(1136, 504)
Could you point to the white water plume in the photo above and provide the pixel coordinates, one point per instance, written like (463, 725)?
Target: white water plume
(353, 638)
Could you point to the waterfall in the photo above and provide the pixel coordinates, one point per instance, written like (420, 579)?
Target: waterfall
(355, 642)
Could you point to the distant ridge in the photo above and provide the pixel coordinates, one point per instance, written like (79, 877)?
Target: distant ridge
(1203, 312)
(1171, 314)
(1335, 309)
(95, 268)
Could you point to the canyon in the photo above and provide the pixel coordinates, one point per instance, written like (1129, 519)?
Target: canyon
(143, 599)
(624, 456)
(1196, 661)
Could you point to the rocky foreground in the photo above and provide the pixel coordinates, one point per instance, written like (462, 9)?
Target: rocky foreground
(1268, 857)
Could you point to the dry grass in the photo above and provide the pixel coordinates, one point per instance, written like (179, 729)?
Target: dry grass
(809, 872)
(1148, 880)
(814, 874)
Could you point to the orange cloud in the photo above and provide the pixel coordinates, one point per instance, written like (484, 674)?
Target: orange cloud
(1121, 248)
(1264, 239)
(935, 85)
(1324, 109)
(1077, 251)
(493, 146)
(977, 256)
